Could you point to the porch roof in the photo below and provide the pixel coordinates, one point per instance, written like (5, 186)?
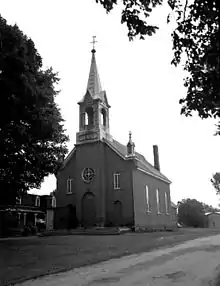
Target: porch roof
(21, 209)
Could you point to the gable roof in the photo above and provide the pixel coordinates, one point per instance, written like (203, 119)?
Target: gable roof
(141, 162)
(67, 159)
(98, 96)
(210, 213)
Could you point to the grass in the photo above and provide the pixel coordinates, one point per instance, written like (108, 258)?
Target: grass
(217, 281)
(27, 258)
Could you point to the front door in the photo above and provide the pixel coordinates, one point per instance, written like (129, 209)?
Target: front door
(88, 210)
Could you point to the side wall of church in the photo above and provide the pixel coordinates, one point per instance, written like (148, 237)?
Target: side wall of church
(114, 163)
(151, 219)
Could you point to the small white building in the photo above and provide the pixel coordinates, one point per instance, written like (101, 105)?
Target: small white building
(213, 219)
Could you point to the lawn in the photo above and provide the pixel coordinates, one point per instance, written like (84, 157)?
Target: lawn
(31, 257)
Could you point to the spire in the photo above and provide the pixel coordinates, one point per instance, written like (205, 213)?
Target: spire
(130, 146)
(94, 84)
(130, 140)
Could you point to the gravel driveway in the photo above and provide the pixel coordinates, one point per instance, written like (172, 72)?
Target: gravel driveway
(192, 263)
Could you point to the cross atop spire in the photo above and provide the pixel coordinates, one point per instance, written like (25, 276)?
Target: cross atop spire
(130, 134)
(130, 142)
(93, 43)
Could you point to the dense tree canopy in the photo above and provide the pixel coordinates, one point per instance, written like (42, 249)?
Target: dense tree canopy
(32, 137)
(216, 182)
(196, 37)
(191, 213)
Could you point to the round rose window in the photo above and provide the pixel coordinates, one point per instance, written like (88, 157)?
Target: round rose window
(88, 175)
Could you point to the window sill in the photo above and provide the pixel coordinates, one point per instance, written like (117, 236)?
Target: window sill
(118, 189)
(69, 193)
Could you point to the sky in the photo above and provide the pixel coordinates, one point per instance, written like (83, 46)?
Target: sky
(142, 87)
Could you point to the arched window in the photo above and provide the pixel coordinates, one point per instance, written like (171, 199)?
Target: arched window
(37, 201)
(89, 115)
(69, 186)
(166, 203)
(147, 198)
(103, 117)
(158, 201)
(86, 119)
(53, 202)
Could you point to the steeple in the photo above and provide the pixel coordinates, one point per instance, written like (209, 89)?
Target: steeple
(94, 84)
(93, 108)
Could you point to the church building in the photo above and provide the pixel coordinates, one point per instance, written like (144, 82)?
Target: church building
(105, 183)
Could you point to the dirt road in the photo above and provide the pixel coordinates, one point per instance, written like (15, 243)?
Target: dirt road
(193, 263)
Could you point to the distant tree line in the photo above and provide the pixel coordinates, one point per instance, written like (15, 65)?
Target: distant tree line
(191, 213)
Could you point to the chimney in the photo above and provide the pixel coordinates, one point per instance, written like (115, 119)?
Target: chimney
(156, 158)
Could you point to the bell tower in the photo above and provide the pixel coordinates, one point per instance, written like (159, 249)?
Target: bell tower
(93, 109)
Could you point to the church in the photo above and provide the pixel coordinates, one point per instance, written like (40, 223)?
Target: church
(105, 183)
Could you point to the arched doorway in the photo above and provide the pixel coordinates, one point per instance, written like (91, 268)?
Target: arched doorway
(88, 210)
(118, 213)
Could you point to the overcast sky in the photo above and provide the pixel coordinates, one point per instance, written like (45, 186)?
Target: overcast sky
(142, 87)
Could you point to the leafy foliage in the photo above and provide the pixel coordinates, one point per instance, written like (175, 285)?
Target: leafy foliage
(209, 208)
(32, 136)
(197, 34)
(191, 213)
(216, 182)
(196, 37)
(134, 15)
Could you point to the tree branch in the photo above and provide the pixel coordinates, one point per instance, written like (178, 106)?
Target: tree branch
(184, 12)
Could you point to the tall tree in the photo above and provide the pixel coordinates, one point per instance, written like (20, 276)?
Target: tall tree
(191, 213)
(196, 36)
(32, 136)
(216, 182)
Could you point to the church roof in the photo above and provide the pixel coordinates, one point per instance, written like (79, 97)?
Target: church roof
(121, 149)
(141, 162)
(209, 213)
